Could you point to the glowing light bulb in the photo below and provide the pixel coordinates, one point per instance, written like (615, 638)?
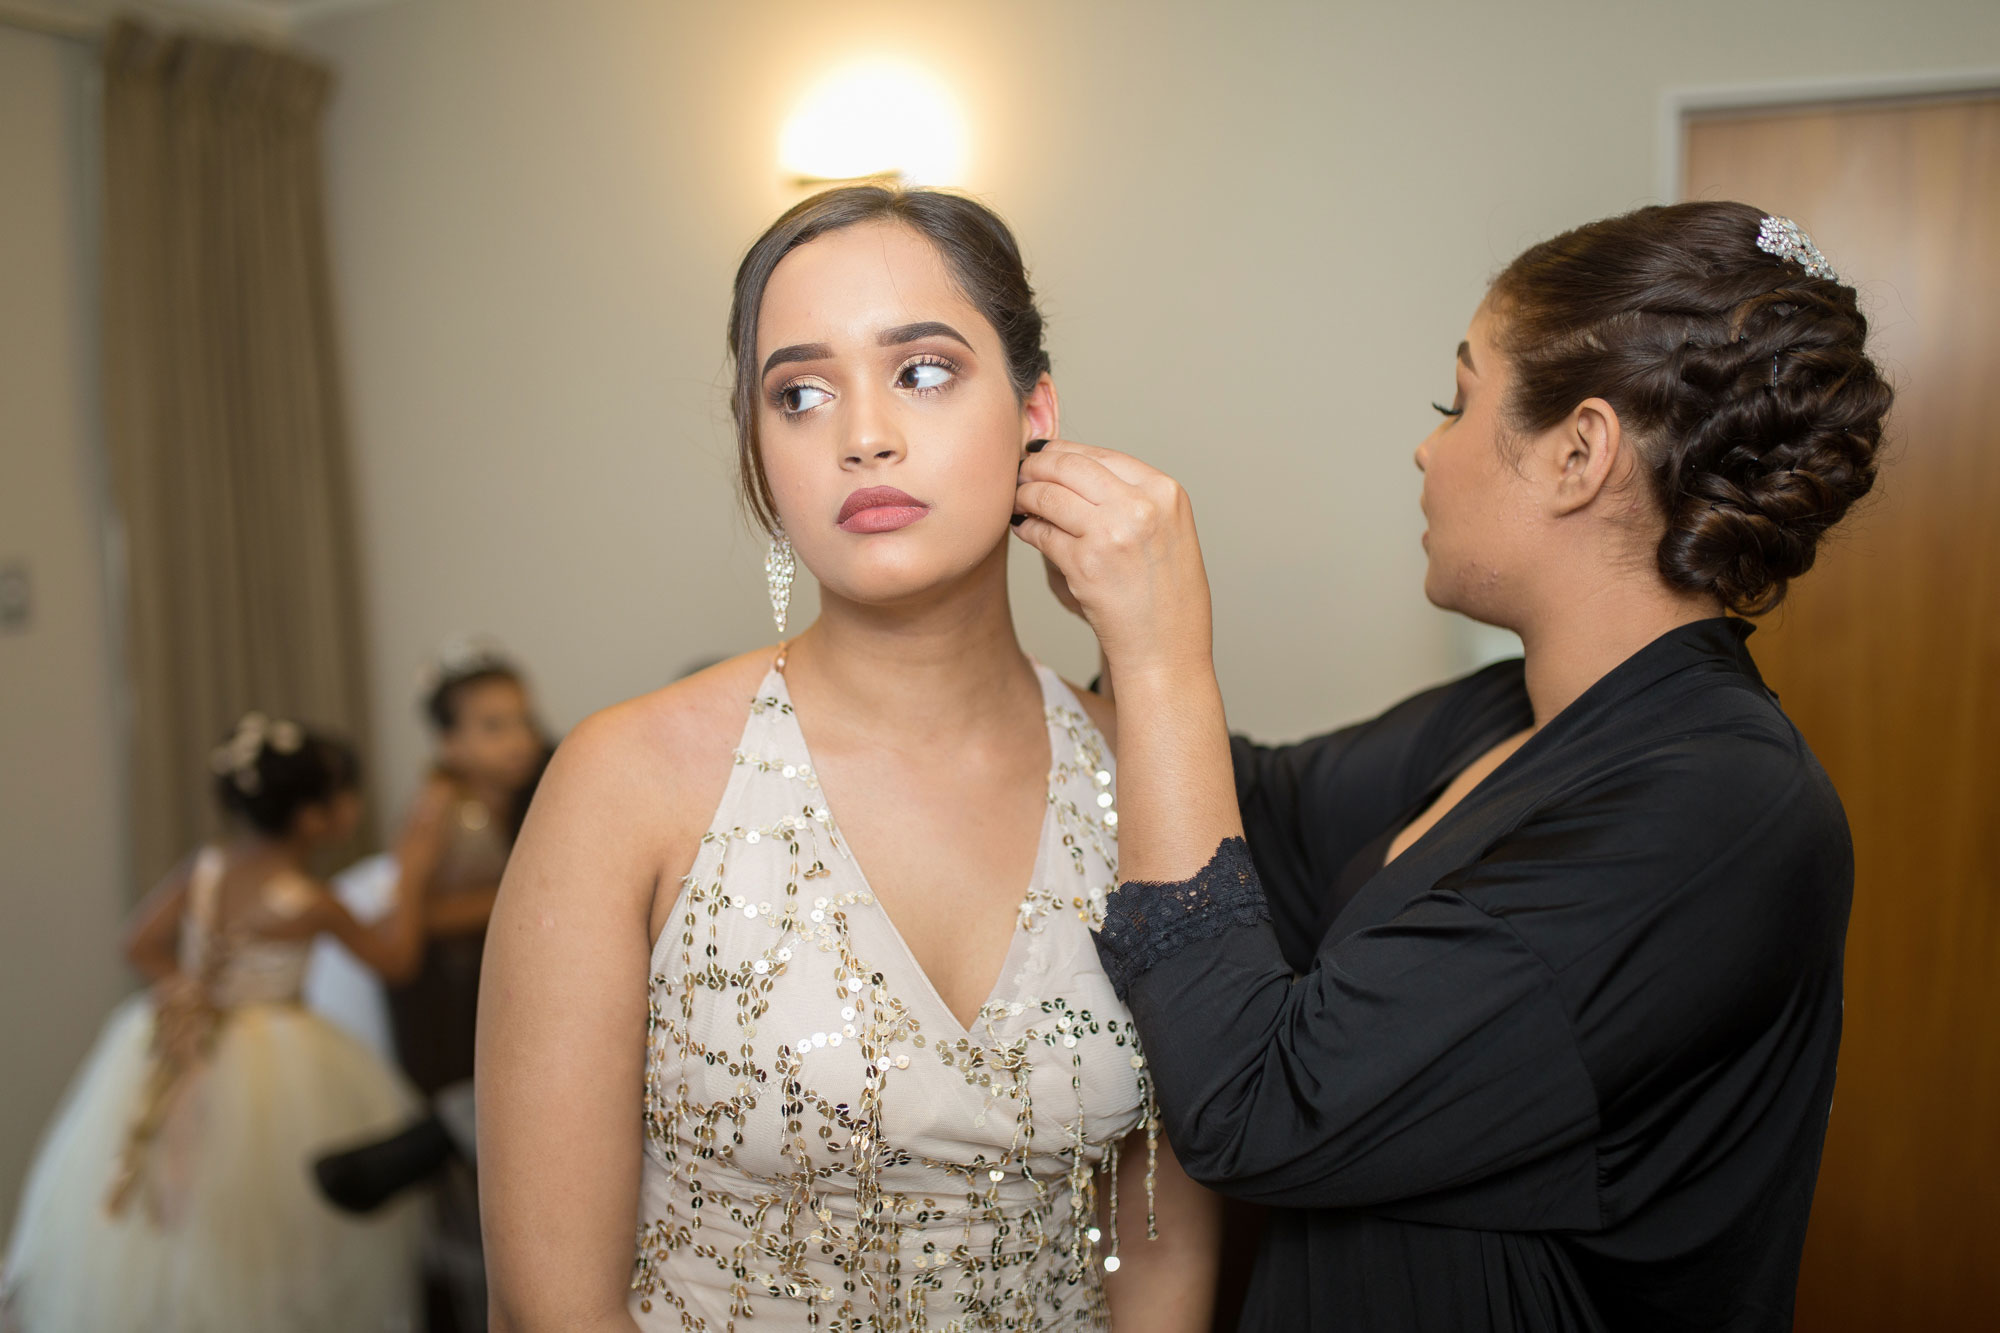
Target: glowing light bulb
(876, 119)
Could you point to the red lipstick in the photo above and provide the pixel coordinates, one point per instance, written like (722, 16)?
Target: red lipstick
(880, 509)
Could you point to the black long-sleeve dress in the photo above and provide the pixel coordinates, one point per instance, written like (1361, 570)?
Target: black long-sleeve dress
(1566, 1063)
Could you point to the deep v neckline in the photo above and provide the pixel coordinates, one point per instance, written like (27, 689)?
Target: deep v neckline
(775, 686)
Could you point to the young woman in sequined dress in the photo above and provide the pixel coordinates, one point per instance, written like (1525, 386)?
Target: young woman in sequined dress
(792, 966)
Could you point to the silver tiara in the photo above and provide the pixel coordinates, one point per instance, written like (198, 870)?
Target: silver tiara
(1788, 240)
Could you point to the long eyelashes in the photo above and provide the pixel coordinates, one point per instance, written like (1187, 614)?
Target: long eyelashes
(781, 397)
(788, 397)
(1444, 411)
(916, 363)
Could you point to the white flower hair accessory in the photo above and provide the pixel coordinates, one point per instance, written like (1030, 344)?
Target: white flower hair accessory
(236, 758)
(1788, 240)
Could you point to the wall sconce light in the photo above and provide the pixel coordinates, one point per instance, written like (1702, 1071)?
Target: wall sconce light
(875, 122)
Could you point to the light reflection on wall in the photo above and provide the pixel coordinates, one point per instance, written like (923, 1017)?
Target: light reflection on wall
(877, 119)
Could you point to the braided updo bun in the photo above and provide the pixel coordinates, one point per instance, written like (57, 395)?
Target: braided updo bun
(1744, 379)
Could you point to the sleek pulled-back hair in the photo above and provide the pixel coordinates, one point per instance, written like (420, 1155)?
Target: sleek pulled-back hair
(977, 248)
(1744, 380)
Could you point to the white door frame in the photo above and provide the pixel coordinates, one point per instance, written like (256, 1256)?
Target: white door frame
(1676, 103)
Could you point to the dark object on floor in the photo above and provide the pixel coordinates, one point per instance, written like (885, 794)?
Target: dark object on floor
(360, 1180)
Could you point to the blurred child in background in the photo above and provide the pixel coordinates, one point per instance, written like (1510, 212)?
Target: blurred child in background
(173, 1190)
(453, 849)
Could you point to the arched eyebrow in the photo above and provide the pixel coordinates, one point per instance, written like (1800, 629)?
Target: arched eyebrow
(894, 337)
(797, 352)
(1464, 354)
(928, 328)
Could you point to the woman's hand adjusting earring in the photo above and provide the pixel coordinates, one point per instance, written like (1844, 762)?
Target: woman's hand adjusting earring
(1120, 536)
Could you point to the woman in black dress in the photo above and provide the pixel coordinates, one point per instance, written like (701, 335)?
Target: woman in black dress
(1521, 1004)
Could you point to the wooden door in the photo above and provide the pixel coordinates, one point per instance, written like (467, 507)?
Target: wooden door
(1888, 657)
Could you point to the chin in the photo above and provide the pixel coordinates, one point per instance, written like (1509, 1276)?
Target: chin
(1442, 594)
(1436, 591)
(888, 574)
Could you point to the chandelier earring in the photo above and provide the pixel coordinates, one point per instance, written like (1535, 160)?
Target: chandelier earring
(779, 566)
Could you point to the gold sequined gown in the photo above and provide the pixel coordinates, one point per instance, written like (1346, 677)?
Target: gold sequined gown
(827, 1147)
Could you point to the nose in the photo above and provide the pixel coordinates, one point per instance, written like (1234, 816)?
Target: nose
(873, 436)
(1423, 454)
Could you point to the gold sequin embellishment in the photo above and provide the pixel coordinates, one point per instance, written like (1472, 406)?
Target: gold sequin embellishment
(826, 1146)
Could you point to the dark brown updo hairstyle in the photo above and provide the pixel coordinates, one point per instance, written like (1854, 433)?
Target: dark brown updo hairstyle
(976, 246)
(1744, 379)
(455, 679)
(267, 772)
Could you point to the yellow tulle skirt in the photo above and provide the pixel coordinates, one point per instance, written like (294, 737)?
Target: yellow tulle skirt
(227, 1231)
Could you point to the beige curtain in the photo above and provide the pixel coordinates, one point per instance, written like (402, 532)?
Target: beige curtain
(222, 414)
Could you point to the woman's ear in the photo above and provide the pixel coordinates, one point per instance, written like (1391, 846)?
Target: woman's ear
(1041, 414)
(1586, 453)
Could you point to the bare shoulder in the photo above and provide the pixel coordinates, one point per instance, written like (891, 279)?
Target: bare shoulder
(302, 905)
(658, 762)
(682, 735)
(1103, 714)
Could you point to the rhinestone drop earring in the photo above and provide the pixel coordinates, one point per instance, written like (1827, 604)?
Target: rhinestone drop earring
(779, 565)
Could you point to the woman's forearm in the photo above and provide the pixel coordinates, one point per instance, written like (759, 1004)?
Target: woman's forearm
(1166, 1283)
(1120, 536)
(1176, 784)
(465, 913)
(399, 937)
(502, 1320)
(561, 1061)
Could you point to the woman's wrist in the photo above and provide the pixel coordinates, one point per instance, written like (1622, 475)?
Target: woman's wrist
(1141, 676)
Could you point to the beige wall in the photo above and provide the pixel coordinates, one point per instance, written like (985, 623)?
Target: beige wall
(1259, 229)
(62, 868)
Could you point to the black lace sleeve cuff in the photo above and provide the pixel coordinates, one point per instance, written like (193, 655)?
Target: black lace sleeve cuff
(1147, 923)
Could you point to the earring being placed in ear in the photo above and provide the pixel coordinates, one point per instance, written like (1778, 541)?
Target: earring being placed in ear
(779, 564)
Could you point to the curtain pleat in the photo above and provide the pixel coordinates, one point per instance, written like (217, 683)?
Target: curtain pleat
(223, 413)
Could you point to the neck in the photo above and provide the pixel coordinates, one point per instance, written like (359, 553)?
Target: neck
(1581, 638)
(249, 844)
(946, 662)
(491, 793)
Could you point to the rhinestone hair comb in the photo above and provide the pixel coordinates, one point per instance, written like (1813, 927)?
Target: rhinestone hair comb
(1787, 240)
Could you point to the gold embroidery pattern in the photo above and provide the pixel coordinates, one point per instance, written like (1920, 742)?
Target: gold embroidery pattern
(807, 1177)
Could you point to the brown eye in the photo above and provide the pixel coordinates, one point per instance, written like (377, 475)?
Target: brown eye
(796, 398)
(925, 375)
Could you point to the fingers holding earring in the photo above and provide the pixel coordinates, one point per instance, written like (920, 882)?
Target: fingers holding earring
(1058, 504)
(1080, 472)
(1122, 467)
(1056, 546)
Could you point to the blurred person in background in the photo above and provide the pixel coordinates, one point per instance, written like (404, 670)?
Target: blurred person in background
(171, 1193)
